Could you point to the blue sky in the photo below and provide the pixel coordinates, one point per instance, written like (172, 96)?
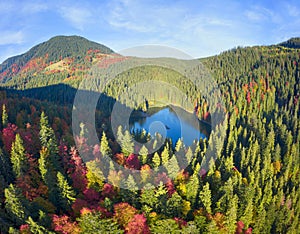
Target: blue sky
(198, 27)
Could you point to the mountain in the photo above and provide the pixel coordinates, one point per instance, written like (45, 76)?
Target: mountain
(291, 43)
(59, 48)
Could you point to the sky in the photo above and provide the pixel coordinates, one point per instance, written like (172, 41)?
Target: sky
(200, 28)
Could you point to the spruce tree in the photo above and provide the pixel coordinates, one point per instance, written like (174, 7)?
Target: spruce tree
(172, 167)
(205, 198)
(4, 116)
(127, 144)
(48, 140)
(155, 160)
(18, 157)
(66, 193)
(143, 155)
(104, 146)
(165, 155)
(15, 205)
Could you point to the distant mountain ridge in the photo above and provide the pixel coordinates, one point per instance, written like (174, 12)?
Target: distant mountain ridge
(67, 59)
(53, 50)
(56, 47)
(291, 43)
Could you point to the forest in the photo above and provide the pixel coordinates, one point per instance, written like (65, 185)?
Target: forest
(251, 186)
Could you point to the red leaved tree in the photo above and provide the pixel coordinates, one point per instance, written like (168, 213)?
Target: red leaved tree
(138, 225)
(124, 213)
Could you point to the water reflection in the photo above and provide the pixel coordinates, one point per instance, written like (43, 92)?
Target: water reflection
(172, 122)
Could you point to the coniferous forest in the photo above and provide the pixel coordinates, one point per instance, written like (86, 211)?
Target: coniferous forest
(251, 186)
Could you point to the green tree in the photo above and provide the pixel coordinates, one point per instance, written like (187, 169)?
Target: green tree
(15, 205)
(48, 140)
(205, 197)
(165, 226)
(18, 157)
(165, 155)
(192, 188)
(156, 160)
(65, 192)
(161, 194)
(35, 228)
(127, 144)
(231, 214)
(46, 169)
(104, 146)
(94, 223)
(5, 167)
(201, 223)
(175, 206)
(4, 116)
(172, 167)
(94, 175)
(143, 155)
(130, 193)
(148, 198)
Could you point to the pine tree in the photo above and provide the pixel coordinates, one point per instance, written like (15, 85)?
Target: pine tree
(18, 157)
(35, 228)
(179, 145)
(231, 214)
(212, 227)
(175, 206)
(165, 226)
(66, 193)
(94, 223)
(94, 175)
(192, 189)
(205, 198)
(120, 134)
(15, 205)
(104, 146)
(165, 155)
(143, 155)
(155, 160)
(148, 198)
(44, 166)
(5, 167)
(161, 195)
(248, 212)
(172, 167)
(129, 192)
(189, 155)
(4, 116)
(127, 144)
(48, 140)
(106, 153)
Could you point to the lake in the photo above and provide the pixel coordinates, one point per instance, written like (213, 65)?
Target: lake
(171, 122)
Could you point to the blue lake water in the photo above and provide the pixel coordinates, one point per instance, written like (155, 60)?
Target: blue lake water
(171, 122)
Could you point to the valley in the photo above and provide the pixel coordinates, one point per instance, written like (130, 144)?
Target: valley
(237, 171)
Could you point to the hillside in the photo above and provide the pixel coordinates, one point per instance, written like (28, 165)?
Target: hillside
(291, 43)
(71, 50)
(55, 182)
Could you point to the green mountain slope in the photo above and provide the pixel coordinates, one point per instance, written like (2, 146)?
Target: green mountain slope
(51, 51)
(292, 43)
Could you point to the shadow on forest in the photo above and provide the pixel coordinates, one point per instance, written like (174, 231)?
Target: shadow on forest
(64, 95)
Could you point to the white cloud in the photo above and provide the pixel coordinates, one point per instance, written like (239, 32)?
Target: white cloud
(77, 16)
(124, 15)
(292, 10)
(34, 7)
(259, 13)
(9, 37)
(200, 34)
(254, 16)
(6, 6)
